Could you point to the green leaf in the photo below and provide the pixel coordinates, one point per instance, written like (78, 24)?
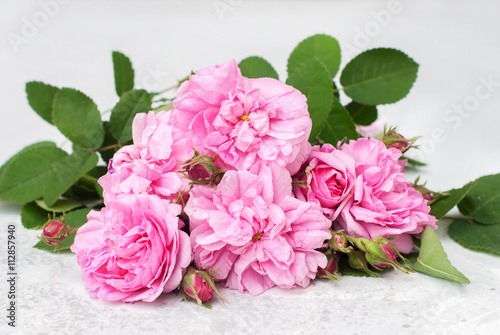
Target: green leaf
(364, 115)
(122, 115)
(443, 205)
(313, 80)
(433, 261)
(64, 246)
(25, 174)
(257, 67)
(77, 218)
(77, 117)
(482, 202)
(476, 236)
(33, 217)
(338, 125)
(379, 76)
(124, 73)
(40, 97)
(66, 172)
(324, 48)
(60, 206)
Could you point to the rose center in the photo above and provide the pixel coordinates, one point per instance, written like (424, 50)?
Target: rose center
(244, 117)
(257, 237)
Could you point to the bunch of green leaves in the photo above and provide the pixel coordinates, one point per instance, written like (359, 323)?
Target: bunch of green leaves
(479, 203)
(47, 179)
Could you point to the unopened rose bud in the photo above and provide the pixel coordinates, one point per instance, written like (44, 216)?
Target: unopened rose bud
(426, 193)
(198, 172)
(51, 231)
(380, 262)
(339, 242)
(330, 271)
(55, 232)
(358, 261)
(201, 169)
(429, 197)
(199, 286)
(393, 139)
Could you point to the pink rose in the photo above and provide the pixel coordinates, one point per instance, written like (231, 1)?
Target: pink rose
(243, 120)
(254, 232)
(383, 202)
(151, 164)
(329, 177)
(133, 249)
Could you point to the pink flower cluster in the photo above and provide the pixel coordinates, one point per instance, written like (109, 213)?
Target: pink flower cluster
(362, 188)
(252, 230)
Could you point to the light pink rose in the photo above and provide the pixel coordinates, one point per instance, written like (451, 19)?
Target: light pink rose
(329, 176)
(243, 120)
(151, 164)
(254, 233)
(383, 202)
(133, 249)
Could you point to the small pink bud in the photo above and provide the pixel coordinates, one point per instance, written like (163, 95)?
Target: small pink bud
(198, 172)
(331, 269)
(199, 286)
(52, 229)
(401, 145)
(393, 139)
(201, 289)
(339, 242)
(357, 261)
(55, 232)
(429, 197)
(389, 253)
(201, 169)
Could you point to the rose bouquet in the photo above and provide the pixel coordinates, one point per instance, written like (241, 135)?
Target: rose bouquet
(238, 180)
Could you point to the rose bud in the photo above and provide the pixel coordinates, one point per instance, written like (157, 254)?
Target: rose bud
(55, 232)
(390, 257)
(201, 169)
(393, 139)
(427, 194)
(357, 261)
(429, 197)
(199, 286)
(339, 242)
(330, 271)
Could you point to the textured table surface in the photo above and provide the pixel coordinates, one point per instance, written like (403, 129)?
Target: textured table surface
(454, 107)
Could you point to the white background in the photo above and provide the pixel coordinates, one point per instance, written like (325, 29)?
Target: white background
(69, 44)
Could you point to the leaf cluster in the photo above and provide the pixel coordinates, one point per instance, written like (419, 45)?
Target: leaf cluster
(479, 203)
(48, 179)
